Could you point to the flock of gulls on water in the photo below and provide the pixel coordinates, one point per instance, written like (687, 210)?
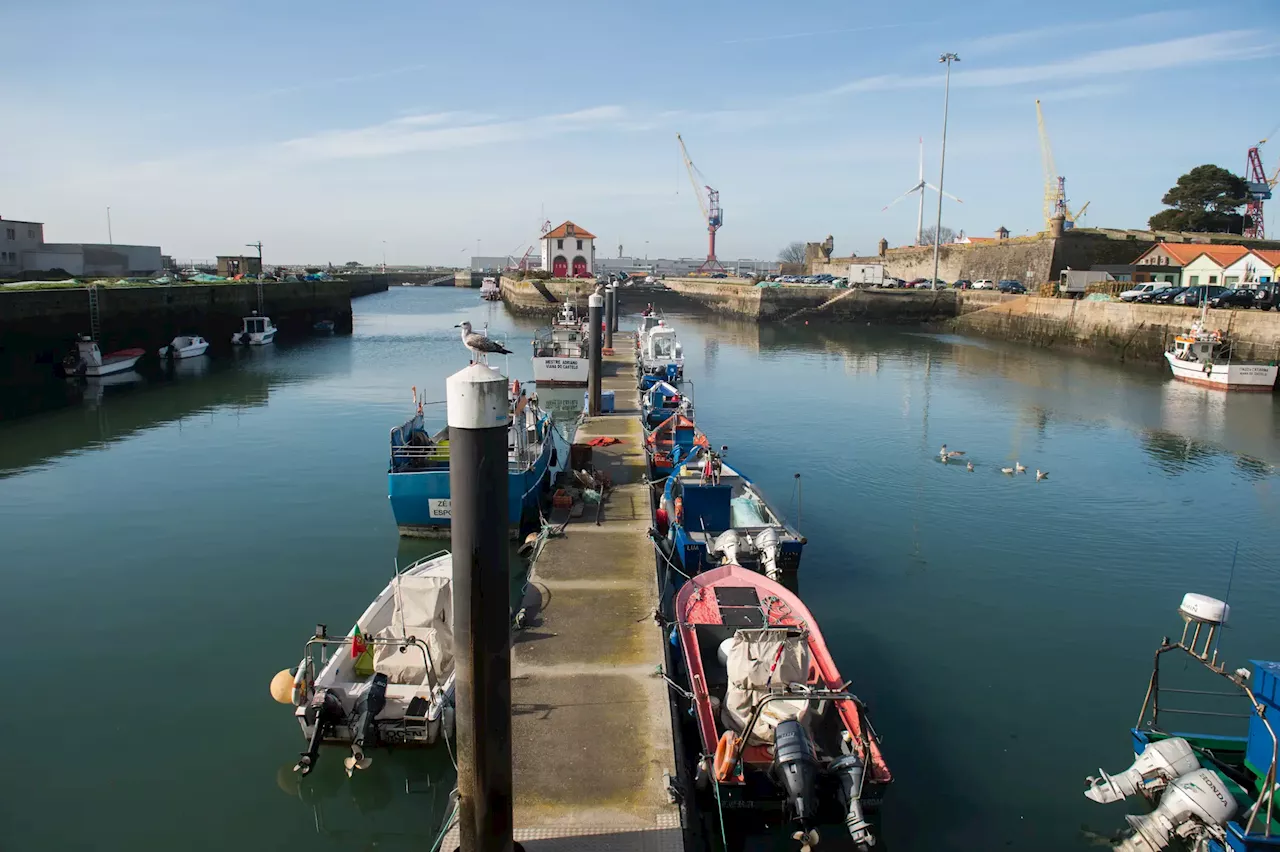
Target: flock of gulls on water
(1018, 467)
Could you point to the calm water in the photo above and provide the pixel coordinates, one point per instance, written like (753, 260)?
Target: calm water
(168, 546)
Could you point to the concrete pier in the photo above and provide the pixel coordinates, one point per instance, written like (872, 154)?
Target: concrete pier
(591, 729)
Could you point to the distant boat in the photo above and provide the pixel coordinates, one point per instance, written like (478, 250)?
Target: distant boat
(87, 360)
(324, 326)
(408, 284)
(389, 680)
(560, 352)
(256, 331)
(185, 346)
(1203, 357)
(660, 355)
(489, 290)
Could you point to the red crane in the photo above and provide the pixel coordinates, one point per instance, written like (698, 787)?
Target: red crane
(710, 210)
(1259, 190)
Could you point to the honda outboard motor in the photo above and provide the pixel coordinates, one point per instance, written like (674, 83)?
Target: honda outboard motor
(767, 543)
(365, 731)
(849, 770)
(324, 711)
(795, 768)
(726, 545)
(1160, 762)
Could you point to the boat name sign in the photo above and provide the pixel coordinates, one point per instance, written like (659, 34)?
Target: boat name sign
(440, 508)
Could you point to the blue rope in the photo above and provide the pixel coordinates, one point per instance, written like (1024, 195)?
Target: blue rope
(724, 841)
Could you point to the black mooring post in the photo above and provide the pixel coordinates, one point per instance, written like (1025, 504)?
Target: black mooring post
(610, 302)
(478, 416)
(615, 310)
(595, 309)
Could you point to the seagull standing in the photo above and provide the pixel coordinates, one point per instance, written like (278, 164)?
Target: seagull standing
(479, 344)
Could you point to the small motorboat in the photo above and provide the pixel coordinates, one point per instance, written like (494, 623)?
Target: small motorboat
(660, 355)
(256, 331)
(1209, 790)
(670, 441)
(324, 327)
(662, 400)
(185, 346)
(715, 515)
(389, 681)
(489, 290)
(87, 359)
(769, 703)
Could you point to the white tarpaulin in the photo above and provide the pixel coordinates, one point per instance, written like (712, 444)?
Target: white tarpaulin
(760, 661)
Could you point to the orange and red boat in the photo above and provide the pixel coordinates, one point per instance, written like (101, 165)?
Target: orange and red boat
(775, 720)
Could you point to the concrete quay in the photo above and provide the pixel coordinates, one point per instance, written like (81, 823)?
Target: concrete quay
(591, 726)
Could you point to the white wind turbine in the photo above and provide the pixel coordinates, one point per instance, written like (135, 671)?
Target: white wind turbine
(919, 187)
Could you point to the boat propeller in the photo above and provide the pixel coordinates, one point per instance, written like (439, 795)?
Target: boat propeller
(366, 730)
(808, 839)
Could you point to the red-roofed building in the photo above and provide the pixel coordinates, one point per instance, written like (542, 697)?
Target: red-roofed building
(1228, 266)
(569, 251)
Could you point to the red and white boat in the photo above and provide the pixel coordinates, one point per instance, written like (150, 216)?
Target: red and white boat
(772, 708)
(87, 360)
(1204, 358)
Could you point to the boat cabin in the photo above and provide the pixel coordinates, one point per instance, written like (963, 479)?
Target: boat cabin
(662, 400)
(256, 325)
(1198, 348)
(562, 340)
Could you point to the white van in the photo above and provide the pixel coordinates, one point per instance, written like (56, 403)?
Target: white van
(1139, 289)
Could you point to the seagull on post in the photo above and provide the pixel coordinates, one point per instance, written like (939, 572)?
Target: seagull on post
(479, 344)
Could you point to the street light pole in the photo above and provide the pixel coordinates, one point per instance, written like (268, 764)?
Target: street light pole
(948, 58)
(110, 239)
(384, 257)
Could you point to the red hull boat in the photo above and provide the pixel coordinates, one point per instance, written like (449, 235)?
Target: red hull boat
(772, 708)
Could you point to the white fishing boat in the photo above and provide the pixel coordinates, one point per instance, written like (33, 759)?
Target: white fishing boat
(660, 353)
(87, 359)
(1204, 357)
(256, 331)
(185, 346)
(389, 681)
(489, 290)
(560, 352)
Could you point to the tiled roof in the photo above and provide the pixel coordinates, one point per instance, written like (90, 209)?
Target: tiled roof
(1184, 253)
(1224, 256)
(568, 229)
(1271, 256)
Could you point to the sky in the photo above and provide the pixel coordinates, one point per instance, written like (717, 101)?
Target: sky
(423, 131)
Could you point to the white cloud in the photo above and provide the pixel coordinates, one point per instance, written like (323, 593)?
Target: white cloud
(444, 131)
(1135, 23)
(1226, 46)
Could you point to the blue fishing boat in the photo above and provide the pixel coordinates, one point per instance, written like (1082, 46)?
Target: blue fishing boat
(714, 515)
(661, 400)
(418, 477)
(1210, 792)
(671, 440)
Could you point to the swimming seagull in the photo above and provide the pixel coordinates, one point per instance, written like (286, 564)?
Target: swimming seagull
(969, 466)
(954, 454)
(1041, 474)
(1019, 467)
(479, 344)
(1008, 471)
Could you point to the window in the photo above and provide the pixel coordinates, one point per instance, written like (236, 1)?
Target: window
(1195, 280)
(1213, 279)
(1231, 280)
(31, 233)
(9, 232)
(559, 244)
(579, 245)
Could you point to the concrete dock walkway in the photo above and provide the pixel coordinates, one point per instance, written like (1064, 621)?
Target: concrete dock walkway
(591, 728)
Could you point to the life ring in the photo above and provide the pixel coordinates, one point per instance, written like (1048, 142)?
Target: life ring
(724, 763)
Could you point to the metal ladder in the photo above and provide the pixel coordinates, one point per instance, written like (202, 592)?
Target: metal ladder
(95, 323)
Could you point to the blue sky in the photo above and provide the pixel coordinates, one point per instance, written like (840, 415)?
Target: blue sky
(325, 128)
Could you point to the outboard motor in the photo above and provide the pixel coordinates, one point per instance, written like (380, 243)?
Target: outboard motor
(365, 731)
(324, 711)
(1193, 810)
(726, 545)
(1160, 762)
(849, 770)
(795, 768)
(767, 543)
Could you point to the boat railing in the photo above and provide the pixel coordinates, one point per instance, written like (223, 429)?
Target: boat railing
(790, 693)
(1238, 679)
(403, 643)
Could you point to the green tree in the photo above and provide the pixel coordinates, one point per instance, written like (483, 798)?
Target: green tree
(1207, 198)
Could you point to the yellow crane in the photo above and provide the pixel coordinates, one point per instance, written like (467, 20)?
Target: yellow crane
(1055, 186)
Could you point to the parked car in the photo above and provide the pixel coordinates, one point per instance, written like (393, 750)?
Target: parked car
(1264, 298)
(1232, 299)
(1167, 295)
(1011, 287)
(916, 282)
(1146, 287)
(984, 284)
(1191, 297)
(963, 284)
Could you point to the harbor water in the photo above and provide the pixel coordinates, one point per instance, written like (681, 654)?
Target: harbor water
(168, 544)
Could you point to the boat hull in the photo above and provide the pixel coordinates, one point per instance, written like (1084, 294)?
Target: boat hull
(193, 351)
(110, 366)
(560, 372)
(420, 498)
(1259, 378)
